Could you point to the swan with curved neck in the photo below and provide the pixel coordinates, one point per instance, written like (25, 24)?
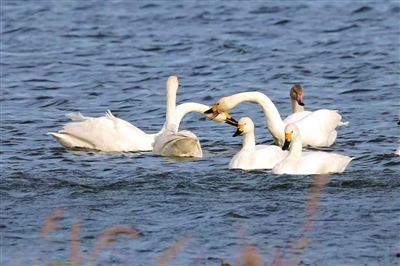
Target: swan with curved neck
(310, 163)
(253, 156)
(111, 134)
(317, 128)
(172, 142)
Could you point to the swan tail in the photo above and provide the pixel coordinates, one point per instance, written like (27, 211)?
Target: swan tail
(343, 124)
(109, 115)
(76, 116)
(346, 162)
(71, 141)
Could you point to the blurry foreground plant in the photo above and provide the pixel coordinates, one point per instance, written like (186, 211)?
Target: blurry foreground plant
(249, 255)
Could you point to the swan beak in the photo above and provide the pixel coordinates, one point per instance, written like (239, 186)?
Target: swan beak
(300, 100)
(214, 111)
(239, 130)
(288, 139)
(229, 120)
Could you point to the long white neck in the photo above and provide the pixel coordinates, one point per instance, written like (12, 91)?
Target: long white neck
(295, 148)
(274, 121)
(249, 141)
(296, 107)
(170, 117)
(185, 108)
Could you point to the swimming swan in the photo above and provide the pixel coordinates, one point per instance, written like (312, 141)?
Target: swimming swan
(253, 156)
(317, 128)
(296, 98)
(171, 142)
(111, 134)
(309, 163)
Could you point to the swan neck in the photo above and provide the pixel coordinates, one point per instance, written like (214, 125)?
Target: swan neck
(249, 142)
(296, 107)
(183, 109)
(274, 121)
(295, 148)
(170, 117)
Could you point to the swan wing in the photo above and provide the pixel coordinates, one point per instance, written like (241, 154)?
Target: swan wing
(318, 128)
(182, 144)
(242, 160)
(296, 117)
(106, 133)
(313, 163)
(264, 157)
(323, 163)
(267, 156)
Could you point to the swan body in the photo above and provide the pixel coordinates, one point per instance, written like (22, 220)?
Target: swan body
(253, 156)
(296, 98)
(310, 163)
(111, 134)
(317, 128)
(172, 142)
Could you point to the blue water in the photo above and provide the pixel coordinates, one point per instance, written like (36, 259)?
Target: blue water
(66, 56)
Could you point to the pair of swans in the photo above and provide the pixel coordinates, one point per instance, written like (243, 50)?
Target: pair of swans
(294, 162)
(111, 134)
(318, 128)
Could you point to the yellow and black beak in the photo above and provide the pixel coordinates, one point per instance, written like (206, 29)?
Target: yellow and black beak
(214, 111)
(230, 121)
(288, 139)
(239, 130)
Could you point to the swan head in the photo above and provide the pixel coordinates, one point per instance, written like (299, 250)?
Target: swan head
(172, 84)
(220, 106)
(297, 94)
(245, 125)
(291, 132)
(223, 117)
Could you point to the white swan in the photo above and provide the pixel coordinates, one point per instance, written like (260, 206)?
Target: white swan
(253, 156)
(308, 163)
(296, 98)
(111, 134)
(317, 128)
(171, 142)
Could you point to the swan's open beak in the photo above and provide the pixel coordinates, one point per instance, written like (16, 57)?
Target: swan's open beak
(214, 111)
(239, 130)
(300, 100)
(229, 120)
(288, 139)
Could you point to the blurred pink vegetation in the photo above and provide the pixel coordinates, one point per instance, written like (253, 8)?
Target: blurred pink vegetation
(249, 255)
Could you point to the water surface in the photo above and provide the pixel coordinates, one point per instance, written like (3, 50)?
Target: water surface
(68, 56)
